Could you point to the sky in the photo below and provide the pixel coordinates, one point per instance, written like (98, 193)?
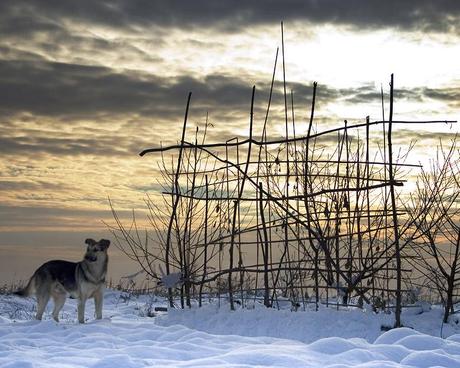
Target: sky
(86, 85)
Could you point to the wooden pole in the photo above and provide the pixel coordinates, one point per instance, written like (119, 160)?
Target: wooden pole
(264, 249)
(205, 255)
(368, 205)
(236, 202)
(394, 212)
(176, 201)
(307, 177)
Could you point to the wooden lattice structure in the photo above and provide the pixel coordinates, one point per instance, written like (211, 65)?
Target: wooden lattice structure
(311, 217)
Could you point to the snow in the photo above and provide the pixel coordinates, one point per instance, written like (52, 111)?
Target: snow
(216, 337)
(172, 280)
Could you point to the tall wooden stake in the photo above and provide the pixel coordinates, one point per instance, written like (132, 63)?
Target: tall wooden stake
(176, 201)
(264, 248)
(205, 256)
(394, 211)
(236, 203)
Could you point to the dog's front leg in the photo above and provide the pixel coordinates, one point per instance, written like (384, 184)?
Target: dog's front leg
(98, 299)
(81, 309)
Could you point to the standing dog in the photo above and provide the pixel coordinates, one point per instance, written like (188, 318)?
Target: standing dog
(81, 280)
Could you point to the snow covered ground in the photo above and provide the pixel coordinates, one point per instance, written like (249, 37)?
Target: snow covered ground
(210, 337)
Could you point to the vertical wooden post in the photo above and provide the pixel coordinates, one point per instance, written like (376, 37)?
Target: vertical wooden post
(385, 203)
(286, 219)
(337, 220)
(236, 203)
(297, 191)
(264, 248)
(176, 201)
(205, 255)
(306, 201)
(259, 159)
(240, 256)
(347, 201)
(394, 211)
(368, 206)
(187, 269)
(230, 261)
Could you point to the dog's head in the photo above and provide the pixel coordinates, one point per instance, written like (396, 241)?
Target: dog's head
(96, 249)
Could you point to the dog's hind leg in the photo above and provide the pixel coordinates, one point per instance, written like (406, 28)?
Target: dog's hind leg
(59, 301)
(43, 296)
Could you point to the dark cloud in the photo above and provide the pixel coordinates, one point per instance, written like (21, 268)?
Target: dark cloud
(148, 188)
(55, 89)
(367, 94)
(424, 136)
(19, 20)
(42, 216)
(59, 89)
(28, 216)
(11, 53)
(61, 146)
(71, 91)
(451, 95)
(426, 15)
(23, 185)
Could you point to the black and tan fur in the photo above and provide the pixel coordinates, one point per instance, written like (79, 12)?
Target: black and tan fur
(80, 280)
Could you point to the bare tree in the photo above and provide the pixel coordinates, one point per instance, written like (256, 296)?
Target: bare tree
(437, 250)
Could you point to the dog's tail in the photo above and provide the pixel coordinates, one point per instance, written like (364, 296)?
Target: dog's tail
(28, 290)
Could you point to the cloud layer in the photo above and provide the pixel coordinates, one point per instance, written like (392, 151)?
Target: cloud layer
(422, 15)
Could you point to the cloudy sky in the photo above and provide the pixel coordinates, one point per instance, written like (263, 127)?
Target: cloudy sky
(85, 85)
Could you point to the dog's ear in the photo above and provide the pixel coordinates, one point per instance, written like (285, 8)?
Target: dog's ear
(105, 243)
(90, 241)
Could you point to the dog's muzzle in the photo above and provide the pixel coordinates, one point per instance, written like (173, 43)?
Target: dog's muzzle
(91, 258)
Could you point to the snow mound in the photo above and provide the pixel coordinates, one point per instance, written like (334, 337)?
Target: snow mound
(425, 359)
(306, 326)
(396, 334)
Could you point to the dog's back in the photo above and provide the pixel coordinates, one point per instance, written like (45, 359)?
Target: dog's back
(62, 272)
(50, 273)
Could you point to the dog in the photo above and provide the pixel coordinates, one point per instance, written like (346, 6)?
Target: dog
(80, 280)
